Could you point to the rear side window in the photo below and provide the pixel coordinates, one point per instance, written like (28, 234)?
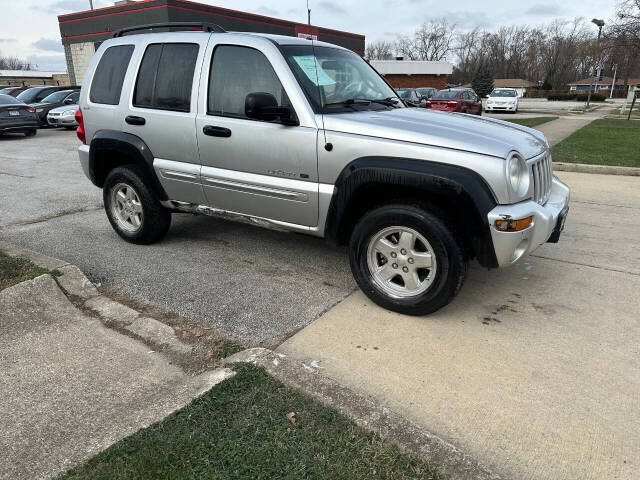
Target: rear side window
(166, 76)
(109, 75)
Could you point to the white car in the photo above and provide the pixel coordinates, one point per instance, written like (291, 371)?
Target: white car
(64, 116)
(502, 100)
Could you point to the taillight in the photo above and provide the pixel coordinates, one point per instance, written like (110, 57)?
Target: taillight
(31, 110)
(80, 129)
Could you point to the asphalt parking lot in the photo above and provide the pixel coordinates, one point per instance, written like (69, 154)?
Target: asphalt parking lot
(253, 285)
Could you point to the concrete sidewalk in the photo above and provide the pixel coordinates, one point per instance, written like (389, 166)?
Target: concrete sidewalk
(71, 387)
(533, 370)
(559, 129)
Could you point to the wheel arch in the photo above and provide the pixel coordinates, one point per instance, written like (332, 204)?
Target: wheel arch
(458, 195)
(110, 149)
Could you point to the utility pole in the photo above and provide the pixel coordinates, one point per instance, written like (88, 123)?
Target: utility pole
(91, 4)
(308, 14)
(599, 24)
(613, 84)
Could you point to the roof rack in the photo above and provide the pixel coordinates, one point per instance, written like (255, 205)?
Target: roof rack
(205, 26)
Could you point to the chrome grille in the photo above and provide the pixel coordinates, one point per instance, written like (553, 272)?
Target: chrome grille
(542, 176)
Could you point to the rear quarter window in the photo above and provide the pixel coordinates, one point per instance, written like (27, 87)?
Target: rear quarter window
(166, 77)
(108, 78)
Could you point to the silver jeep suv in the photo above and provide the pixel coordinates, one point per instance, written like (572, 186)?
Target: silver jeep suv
(306, 136)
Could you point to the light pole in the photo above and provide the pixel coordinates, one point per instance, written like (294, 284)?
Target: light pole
(91, 4)
(308, 14)
(599, 24)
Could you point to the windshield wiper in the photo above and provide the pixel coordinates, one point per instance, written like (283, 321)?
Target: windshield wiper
(389, 102)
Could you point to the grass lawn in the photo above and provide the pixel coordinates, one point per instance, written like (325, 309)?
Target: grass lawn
(254, 427)
(602, 142)
(16, 270)
(531, 122)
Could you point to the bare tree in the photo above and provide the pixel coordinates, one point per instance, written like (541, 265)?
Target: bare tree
(433, 40)
(379, 50)
(14, 63)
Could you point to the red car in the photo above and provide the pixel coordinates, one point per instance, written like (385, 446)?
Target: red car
(463, 100)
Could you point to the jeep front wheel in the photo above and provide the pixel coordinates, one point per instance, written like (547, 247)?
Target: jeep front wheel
(406, 259)
(134, 213)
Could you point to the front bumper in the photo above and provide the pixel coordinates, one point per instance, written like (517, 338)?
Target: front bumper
(501, 108)
(62, 121)
(513, 246)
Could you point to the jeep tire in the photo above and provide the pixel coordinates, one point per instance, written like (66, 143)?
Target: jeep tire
(133, 211)
(406, 259)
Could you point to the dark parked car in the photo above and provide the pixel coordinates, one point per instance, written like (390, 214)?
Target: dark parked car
(16, 117)
(462, 100)
(55, 100)
(426, 92)
(37, 94)
(13, 91)
(410, 97)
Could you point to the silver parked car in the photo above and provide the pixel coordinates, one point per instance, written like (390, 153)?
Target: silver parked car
(64, 116)
(308, 137)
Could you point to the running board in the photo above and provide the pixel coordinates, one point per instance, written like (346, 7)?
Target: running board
(196, 209)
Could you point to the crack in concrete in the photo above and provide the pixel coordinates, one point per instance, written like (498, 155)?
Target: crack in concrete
(16, 175)
(21, 223)
(603, 204)
(587, 265)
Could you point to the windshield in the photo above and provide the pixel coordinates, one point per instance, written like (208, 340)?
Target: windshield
(341, 76)
(503, 93)
(7, 99)
(28, 95)
(425, 91)
(6, 90)
(445, 94)
(56, 97)
(404, 94)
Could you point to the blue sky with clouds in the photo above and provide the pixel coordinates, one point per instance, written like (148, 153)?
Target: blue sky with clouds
(29, 28)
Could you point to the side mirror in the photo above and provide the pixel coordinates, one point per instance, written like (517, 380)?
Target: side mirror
(264, 106)
(68, 101)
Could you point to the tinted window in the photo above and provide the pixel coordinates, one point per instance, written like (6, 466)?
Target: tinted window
(29, 95)
(7, 99)
(446, 94)
(56, 97)
(166, 76)
(237, 72)
(75, 96)
(109, 75)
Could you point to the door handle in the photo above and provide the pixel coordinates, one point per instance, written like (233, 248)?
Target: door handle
(133, 120)
(216, 131)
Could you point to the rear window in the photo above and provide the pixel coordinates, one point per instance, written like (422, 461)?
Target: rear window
(444, 94)
(7, 99)
(109, 75)
(166, 77)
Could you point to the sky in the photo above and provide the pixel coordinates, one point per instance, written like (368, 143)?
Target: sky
(29, 28)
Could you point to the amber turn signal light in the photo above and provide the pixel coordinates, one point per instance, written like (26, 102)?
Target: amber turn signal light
(510, 225)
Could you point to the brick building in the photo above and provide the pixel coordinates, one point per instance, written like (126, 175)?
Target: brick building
(414, 73)
(82, 32)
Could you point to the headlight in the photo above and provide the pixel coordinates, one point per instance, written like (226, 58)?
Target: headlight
(69, 113)
(517, 175)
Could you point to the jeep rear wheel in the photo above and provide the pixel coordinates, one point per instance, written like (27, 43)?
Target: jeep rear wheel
(134, 213)
(406, 259)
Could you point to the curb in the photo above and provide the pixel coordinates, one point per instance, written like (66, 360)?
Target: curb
(599, 169)
(113, 314)
(367, 412)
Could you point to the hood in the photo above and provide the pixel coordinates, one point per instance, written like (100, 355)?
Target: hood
(64, 108)
(457, 131)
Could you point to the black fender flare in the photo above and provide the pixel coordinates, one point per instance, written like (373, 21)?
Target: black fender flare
(131, 147)
(462, 189)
